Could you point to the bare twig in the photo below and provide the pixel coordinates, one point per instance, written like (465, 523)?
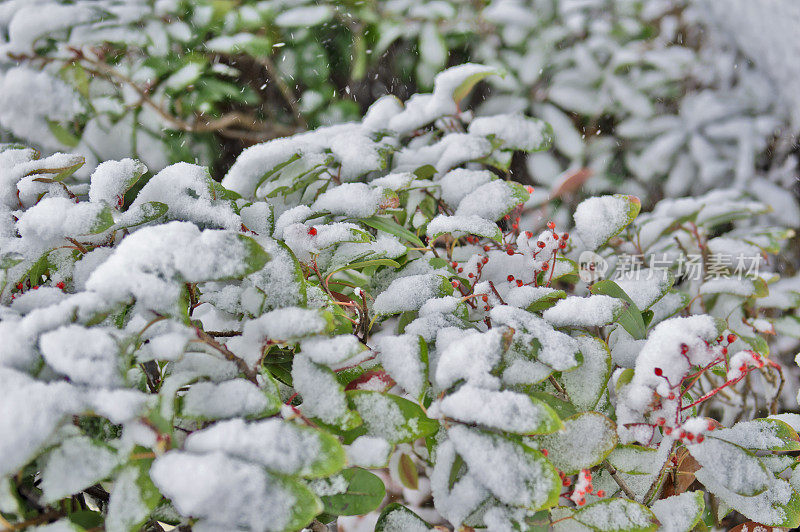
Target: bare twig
(621, 483)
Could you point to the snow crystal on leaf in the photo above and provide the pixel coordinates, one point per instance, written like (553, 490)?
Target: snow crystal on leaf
(335, 352)
(515, 130)
(460, 225)
(586, 383)
(402, 357)
(513, 474)
(234, 398)
(598, 219)
(472, 358)
(278, 445)
(368, 451)
(584, 442)
(226, 491)
(505, 410)
(111, 179)
(189, 192)
(490, 201)
(323, 396)
(457, 183)
(408, 293)
(455, 500)
(55, 218)
(595, 310)
(616, 514)
(741, 471)
(75, 465)
(353, 200)
(679, 513)
(556, 349)
(86, 356)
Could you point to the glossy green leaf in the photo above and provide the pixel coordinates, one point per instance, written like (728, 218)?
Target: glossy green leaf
(364, 493)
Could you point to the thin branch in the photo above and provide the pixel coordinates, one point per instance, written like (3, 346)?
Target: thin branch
(618, 479)
(248, 372)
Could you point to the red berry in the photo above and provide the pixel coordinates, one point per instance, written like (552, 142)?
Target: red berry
(689, 436)
(581, 502)
(510, 278)
(510, 251)
(486, 248)
(529, 189)
(312, 231)
(724, 350)
(710, 425)
(485, 298)
(601, 493)
(544, 452)
(589, 488)
(528, 234)
(562, 245)
(658, 371)
(19, 286)
(486, 308)
(514, 226)
(684, 349)
(671, 396)
(565, 236)
(454, 265)
(545, 267)
(471, 275)
(519, 282)
(460, 270)
(455, 284)
(484, 260)
(551, 225)
(731, 338)
(668, 431)
(555, 236)
(60, 285)
(661, 421)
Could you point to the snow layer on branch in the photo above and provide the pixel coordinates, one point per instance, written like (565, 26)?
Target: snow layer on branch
(111, 179)
(457, 183)
(504, 410)
(353, 200)
(454, 500)
(336, 352)
(595, 310)
(598, 218)
(157, 260)
(557, 350)
(54, 218)
(75, 465)
(503, 467)
(368, 451)
(472, 358)
(489, 201)
(86, 356)
(226, 491)
(234, 398)
(460, 225)
(29, 413)
(29, 98)
(321, 392)
(515, 130)
(277, 445)
(408, 293)
(187, 189)
(401, 357)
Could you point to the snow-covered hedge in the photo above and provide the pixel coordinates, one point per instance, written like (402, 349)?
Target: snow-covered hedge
(378, 295)
(639, 93)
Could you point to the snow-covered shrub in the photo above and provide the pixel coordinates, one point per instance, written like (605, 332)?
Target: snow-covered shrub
(637, 92)
(379, 295)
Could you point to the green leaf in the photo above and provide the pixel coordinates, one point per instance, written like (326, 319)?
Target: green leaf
(586, 383)
(585, 441)
(716, 456)
(62, 134)
(397, 518)
(255, 257)
(365, 264)
(143, 213)
(546, 301)
(630, 317)
(634, 459)
(390, 417)
(306, 504)
(365, 491)
(86, 519)
(104, 220)
(466, 85)
(388, 225)
(628, 516)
